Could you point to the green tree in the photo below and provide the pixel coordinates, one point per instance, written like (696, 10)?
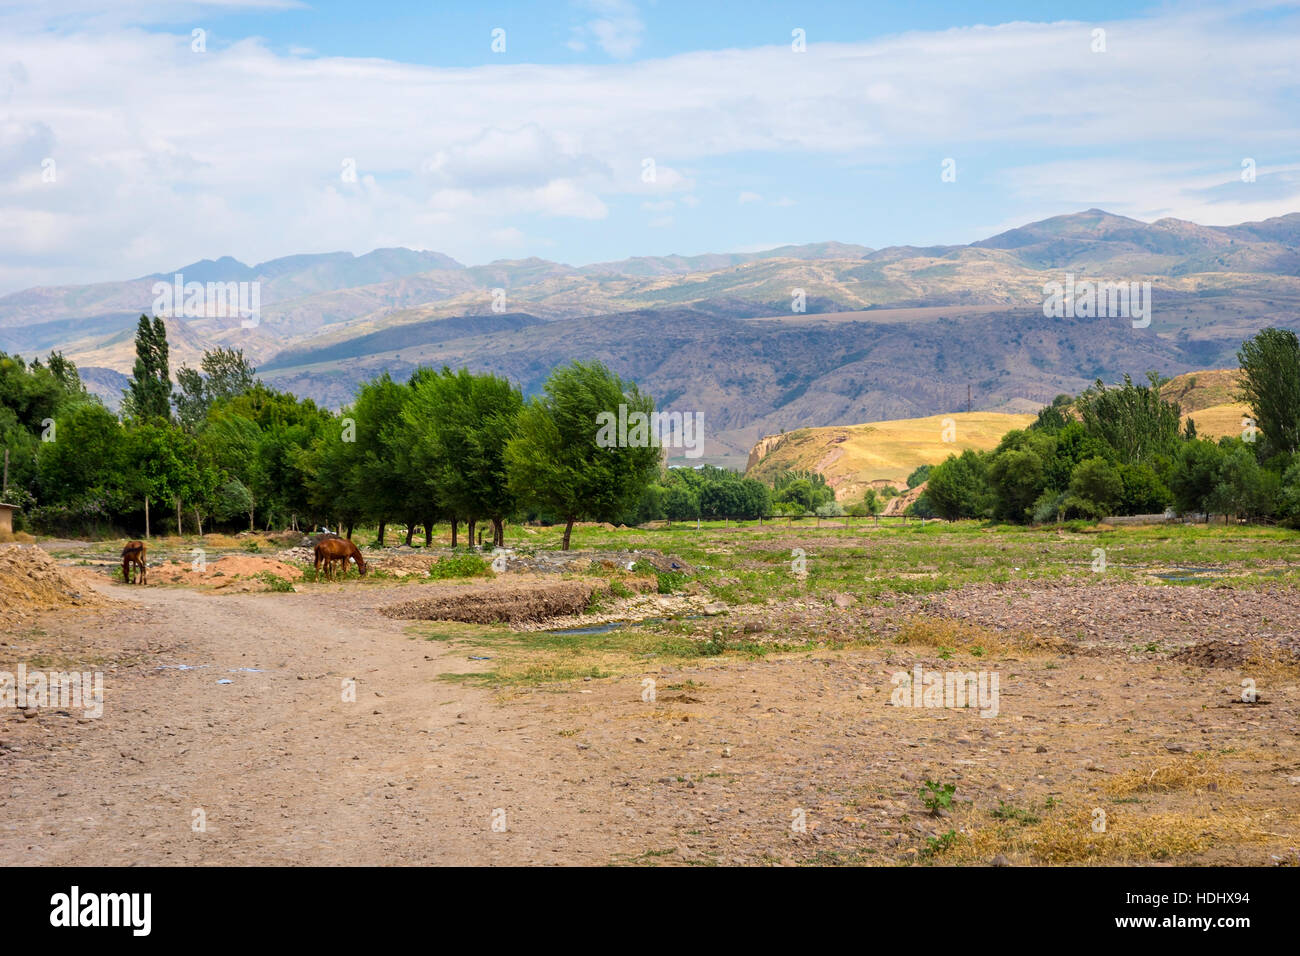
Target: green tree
(149, 393)
(1095, 488)
(86, 458)
(461, 425)
(225, 374)
(1133, 420)
(958, 487)
(555, 460)
(1194, 475)
(1016, 477)
(1270, 385)
(1144, 492)
(1242, 488)
(680, 502)
(1052, 418)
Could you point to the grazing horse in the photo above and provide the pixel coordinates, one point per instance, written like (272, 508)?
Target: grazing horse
(331, 550)
(133, 554)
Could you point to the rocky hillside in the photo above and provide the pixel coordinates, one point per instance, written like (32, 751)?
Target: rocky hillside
(897, 333)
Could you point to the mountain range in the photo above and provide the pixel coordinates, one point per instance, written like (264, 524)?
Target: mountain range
(896, 333)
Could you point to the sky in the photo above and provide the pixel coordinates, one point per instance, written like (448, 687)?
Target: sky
(139, 136)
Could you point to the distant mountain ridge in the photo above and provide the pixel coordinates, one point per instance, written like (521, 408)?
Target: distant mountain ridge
(901, 332)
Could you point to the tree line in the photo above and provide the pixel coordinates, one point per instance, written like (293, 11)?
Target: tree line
(218, 448)
(1120, 450)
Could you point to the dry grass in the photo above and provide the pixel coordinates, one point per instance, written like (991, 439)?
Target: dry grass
(1219, 421)
(1068, 837)
(1195, 772)
(971, 639)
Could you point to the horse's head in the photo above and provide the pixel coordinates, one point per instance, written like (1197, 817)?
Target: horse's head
(361, 562)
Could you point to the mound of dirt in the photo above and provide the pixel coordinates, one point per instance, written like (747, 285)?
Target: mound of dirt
(31, 581)
(231, 572)
(1213, 654)
(499, 604)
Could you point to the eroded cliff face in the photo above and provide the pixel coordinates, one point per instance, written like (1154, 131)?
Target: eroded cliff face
(764, 446)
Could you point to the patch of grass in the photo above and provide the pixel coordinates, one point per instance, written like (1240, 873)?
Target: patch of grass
(536, 658)
(460, 566)
(670, 582)
(951, 637)
(937, 846)
(1069, 838)
(1006, 811)
(274, 582)
(1195, 772)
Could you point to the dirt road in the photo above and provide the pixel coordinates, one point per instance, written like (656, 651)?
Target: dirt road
(284, 770)
(418, 769)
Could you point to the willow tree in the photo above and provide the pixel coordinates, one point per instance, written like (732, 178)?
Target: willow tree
(560, 459)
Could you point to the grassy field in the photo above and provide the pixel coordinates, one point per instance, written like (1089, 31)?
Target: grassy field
(880, 566)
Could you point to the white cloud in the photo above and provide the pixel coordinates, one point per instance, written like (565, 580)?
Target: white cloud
(748, 197)
(616, 28)
(164, 155)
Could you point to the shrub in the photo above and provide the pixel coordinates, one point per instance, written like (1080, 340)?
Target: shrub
(461, 566)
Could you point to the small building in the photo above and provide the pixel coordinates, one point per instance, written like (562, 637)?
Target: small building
(7, 518)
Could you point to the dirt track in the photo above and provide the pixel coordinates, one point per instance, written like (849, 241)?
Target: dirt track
(287, 772)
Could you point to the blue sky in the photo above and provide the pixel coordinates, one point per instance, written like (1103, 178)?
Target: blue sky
(125, 150)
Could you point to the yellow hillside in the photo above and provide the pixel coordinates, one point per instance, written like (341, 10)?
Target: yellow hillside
(855, 457)
(1209, 399)
(1219, 421)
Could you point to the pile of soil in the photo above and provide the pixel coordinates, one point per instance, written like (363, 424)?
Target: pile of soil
(499, 604)
(232, 572)
(31, 581)
(1213, 654)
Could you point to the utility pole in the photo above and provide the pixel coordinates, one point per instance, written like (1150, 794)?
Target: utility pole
(968, 403)
(4, 488)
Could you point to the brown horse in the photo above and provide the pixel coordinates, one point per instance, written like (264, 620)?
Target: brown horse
(331, 550)
(133, 555)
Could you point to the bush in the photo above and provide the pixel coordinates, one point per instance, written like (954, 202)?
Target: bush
(1143, 491)
(460, 566)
